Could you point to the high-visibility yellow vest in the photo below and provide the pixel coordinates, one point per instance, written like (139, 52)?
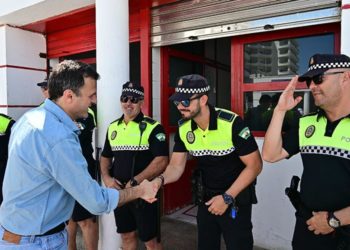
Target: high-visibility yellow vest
(209, 142)
(123, 136)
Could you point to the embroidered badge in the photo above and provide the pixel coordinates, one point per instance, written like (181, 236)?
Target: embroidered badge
(190, 137)
(179, 83)
(114, 135)
(130, 85)
(245, 133)
(160, 137)
(310, 131)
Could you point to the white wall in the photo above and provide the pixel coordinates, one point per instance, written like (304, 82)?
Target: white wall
(21, 69)
(156, 82)
(273, 216)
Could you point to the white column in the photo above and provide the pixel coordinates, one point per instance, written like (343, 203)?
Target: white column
(345, 32)
(112, 48)
(20, 69)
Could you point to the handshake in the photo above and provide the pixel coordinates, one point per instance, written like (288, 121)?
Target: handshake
(151, 188)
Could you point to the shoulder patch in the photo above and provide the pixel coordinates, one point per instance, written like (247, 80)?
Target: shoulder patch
(149, 120)
(245, 133)
(226, 116)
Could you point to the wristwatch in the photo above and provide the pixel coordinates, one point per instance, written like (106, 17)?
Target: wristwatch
(133, 182)
(333, 221)
(228, 199)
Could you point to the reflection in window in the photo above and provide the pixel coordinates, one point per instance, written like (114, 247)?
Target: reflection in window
(274, 60)
(259, 108)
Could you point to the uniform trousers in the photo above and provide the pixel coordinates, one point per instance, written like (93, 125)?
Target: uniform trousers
(237, 232)
(304, 239)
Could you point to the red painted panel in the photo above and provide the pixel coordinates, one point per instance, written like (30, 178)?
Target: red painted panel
(162, 2)
(65, 21)
(71, 41)
(178, 194)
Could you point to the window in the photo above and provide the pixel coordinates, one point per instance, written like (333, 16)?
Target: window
(269, 61)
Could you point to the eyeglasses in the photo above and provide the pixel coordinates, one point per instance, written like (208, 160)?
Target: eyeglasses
(318, 79)
(134, 100)
(186, 103)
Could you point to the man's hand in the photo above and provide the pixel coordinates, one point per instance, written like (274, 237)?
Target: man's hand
(287, 100)
(149, 191)
(217, 205)
(111, 182)
(157, 182)
(318, 223)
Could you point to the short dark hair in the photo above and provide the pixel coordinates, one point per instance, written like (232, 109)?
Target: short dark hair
(69, 74)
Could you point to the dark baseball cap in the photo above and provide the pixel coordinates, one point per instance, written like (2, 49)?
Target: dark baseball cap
(320, 63)
(189, 85)
(132, 89)
(42, 84)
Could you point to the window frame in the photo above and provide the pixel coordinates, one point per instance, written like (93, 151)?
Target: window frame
(238, 87)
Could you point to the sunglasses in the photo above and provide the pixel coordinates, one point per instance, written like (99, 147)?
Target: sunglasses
(318, 79)
(186, 103)
(134, 100)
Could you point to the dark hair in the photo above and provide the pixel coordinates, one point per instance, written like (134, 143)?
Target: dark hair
(69, 75)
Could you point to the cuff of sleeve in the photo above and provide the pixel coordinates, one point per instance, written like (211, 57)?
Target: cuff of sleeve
(113, 195)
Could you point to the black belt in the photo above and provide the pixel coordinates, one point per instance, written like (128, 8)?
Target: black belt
(54, 230)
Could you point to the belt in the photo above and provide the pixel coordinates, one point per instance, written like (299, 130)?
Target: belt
(16, 238)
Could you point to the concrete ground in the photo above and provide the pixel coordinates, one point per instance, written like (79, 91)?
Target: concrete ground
(176, 235)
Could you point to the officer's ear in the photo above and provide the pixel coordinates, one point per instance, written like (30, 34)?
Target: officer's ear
(203, 100)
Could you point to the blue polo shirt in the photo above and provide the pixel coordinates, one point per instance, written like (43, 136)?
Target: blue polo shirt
(46, 172)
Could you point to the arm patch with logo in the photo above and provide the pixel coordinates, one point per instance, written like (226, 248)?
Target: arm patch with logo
(245, 133)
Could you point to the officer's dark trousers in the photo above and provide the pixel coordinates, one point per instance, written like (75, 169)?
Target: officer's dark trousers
(237, 232)
(304, 239)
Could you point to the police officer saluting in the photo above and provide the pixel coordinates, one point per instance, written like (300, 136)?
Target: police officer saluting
(6, 124)
(323, 140)
(135, 149)
(228, 164)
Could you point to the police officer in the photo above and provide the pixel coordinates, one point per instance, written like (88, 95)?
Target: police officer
(6, 124)
(86, 221)
(135, 149)
(323, 140)
(228, 161)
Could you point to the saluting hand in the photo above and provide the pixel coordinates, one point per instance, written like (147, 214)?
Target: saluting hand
(149, 191)
(217, 205)
(287, 100)
(318, 223)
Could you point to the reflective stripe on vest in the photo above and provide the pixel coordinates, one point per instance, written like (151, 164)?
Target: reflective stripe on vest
(4, 123)
(313, 141)
(209, 142)
(90, 111)
(126, 137)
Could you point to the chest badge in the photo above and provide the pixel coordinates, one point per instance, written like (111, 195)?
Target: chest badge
(310, 131)
(190, 137)
(113, 135)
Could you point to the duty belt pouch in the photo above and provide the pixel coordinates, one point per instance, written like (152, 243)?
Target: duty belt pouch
(197, 187)
(247, 196)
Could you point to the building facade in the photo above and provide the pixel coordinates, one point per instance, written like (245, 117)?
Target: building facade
(244, 48)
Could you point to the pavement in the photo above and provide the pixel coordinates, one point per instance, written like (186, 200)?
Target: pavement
(176, 235)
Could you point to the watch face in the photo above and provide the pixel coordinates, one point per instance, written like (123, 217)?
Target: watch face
(334, 223)
(228, 199)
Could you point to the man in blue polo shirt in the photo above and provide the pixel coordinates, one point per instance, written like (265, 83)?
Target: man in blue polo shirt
(46, 171)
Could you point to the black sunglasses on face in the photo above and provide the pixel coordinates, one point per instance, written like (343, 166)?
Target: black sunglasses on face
(318, 79)
(134, 100)
(187, 103)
